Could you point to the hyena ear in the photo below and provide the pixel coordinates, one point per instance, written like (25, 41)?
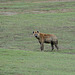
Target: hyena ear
(33, 32)
(37, 31)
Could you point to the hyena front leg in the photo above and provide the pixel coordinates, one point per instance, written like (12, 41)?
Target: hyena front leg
(42, 46)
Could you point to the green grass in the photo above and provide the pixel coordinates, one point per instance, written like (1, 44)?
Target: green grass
(16, 31)
(20, 51)
(24, 7)
(19, 62)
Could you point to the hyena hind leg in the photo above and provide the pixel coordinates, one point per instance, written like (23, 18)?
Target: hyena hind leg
(52, 45)
(56, 46)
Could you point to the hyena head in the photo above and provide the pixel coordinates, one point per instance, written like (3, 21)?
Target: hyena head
(36, 34)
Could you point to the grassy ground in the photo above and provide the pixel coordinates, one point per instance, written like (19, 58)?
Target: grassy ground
(20, 62)
(20, 19)
(20, 51)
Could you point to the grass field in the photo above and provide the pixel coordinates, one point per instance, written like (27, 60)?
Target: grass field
(20, 62)
(20, 52)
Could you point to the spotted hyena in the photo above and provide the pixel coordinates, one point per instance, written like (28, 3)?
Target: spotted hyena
(46, 38)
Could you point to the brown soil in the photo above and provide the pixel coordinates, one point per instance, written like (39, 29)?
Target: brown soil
(8, 13)
(53, 11)
(53, 1)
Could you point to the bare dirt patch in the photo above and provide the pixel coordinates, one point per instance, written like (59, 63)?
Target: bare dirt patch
(8, 13)
(53, 1)
(53, 11)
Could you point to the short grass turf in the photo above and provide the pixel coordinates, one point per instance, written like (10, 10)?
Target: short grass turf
(16, 31)
(20, 62)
